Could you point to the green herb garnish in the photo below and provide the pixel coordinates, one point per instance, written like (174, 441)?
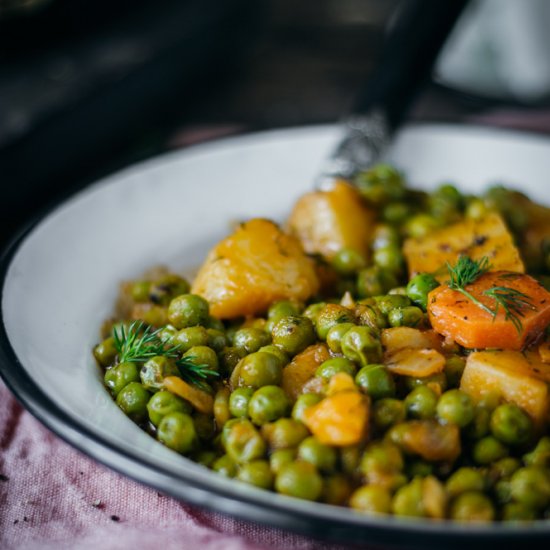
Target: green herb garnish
(139, 343)
(513, 302)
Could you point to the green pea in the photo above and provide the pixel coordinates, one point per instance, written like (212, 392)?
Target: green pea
(454, 367)
(140, 291)
(396, 212)
(488, 450)
(250, 339)
(299, 479)
(420, 225)
(531, 486)
(229, 357)
(242, 441)
(371, 499)
(369, 315)
(216, 339)
(502, 492)
(408, 500)
(419, 287)
(177, 431)
(336, 489)
(188, 310)
(376, 381)
(320, 455)
(284, 433)
(120, 375)
(348, 261)
(105, 352)
(162, 290)
(188, 337)
(330, 316)
(256, 473)
(516, 511)
(387, 412)
(380, 184)
(472, 506)
(283, 308)
(374, 281)
(154, 371)
(350, 458)
(267, 404)
(225, 466)
(293, 334)
(332, 366)
(419, 468)
(511, 425)
(204, 426)
(405, 317)
(277, 352)
(421, 403)
(238, 401)
(335, 334)
(437, 380)
(205, 458)
(166, 334)
(280, 458)
(133, 399)
(465, 479)
(388, 302)
(504, 468)
(202, 355)
(360, 345)
(540, 455)
(479, 426)
(385, 235)
(381, 457)
(455, 407)
(475, 209)
(313, 310)
(389, 258)
(163, 403)
(260, 369)
(303, 402)
(446, 203)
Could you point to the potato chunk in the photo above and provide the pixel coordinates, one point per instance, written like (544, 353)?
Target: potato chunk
(255, 266)
(475, 238)
(520, 378)
(327, 221)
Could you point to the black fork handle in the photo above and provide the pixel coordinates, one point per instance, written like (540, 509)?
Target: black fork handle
(415, 37)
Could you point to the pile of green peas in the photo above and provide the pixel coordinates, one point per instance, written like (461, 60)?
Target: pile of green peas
(255, 432)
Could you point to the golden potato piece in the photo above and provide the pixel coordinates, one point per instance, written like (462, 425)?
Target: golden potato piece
(475, 238)
(518, 377)
(327, 221)
(255, 266)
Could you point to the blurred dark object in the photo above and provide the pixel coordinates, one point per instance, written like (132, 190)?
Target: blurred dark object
(91, 76)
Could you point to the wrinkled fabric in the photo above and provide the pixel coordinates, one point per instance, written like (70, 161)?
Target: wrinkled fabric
(53, 497)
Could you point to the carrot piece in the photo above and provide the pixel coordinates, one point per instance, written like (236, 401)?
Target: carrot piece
(341, 419)
(457, 317)
(201, 400)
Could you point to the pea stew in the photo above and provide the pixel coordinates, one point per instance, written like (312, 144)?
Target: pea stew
(386, 350)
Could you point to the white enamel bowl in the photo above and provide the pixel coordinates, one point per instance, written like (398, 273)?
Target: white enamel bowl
(60, 279)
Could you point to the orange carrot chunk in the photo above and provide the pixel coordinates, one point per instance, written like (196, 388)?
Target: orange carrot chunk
(457, 317)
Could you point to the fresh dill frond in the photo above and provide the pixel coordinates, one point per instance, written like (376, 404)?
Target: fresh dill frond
(466, 271)
(195, 373)
(512, 301)
(139, 342)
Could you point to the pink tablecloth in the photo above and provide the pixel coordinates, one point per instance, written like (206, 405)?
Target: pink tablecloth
(51, 496)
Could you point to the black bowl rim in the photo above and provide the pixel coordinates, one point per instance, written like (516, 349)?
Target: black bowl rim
(354, 529)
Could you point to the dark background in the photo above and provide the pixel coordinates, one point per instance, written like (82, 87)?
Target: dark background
(89, 87)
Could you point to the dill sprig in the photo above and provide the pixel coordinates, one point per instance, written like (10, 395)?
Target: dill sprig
(139, 342)
(195, 373)
(512, 301)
